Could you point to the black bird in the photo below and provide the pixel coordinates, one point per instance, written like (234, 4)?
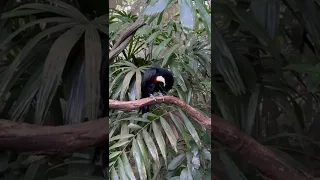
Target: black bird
(155, 79)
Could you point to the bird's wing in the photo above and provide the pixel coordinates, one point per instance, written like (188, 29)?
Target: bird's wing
(147, 79)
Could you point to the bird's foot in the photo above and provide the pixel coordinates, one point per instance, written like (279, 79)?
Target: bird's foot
(152, 96)
(144, 116)
(161, 96)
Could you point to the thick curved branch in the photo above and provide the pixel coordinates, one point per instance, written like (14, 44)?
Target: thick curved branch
(51, 140)
(130, 105)
(125, 38)
(252, 152)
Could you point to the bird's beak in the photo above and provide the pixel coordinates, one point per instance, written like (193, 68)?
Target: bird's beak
(161, 79)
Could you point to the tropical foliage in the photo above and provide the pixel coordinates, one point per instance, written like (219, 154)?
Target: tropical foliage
(267, 52)
(51, 58)
(265, 81)
(165, 144)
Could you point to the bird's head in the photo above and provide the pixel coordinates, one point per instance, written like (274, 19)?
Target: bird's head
(161, 79)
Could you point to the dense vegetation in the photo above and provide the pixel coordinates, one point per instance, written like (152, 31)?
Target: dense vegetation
(264, 80)
(50, 75)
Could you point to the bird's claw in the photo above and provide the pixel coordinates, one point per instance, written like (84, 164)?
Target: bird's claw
(152, 96)
(161, 96)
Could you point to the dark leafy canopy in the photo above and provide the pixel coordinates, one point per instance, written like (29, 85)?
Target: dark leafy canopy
(50, 63)
(273, 46)
(72, 32)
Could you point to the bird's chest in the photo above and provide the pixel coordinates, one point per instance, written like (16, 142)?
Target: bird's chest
(154, 86)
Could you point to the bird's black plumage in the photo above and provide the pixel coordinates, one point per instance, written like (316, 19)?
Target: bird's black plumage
(149, 83)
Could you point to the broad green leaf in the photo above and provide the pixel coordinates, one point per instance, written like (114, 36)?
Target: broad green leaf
(114, 175)
(223, 99)
(138, 84)
(21, 107)
(190, 128)
(169, 132)
(123, 175)
(119, 144)
(121, 136)
(75, 85)
(225, 64)
(252, 108)
(8, 74)
(75, 12)
(168, 54)
(139, 160)
(176, 162)
(53, 69)
(181, 129)
(127, 166)
(152, 37)
(124, 131)
(267, 13)
(117, 79)
(185, 174)
(33, 168)
(151, 146)
(134, 126)
(206, 18)
(161, 47)
(309, 11)
(126, 83)
(180, 78)
(48, 8)
(39, 21)
(144, 152)
(114, 154)
(18, 13)
(158, 7)
(93, 57)
(160, 140)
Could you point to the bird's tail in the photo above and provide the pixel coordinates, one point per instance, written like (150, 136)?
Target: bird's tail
(144, 109)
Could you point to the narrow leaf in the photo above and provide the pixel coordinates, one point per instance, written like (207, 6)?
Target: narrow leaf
(169, 132)
(151, 146)
(160, 140)
(53, 69)
(93, 57)
(139, 160)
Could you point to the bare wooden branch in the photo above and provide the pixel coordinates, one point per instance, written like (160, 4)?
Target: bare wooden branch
(50, 140)
(130, 105)
(125, 38)
(252, 152)
(35, 139)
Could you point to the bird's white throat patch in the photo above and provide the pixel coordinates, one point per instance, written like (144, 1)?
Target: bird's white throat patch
(161, 79)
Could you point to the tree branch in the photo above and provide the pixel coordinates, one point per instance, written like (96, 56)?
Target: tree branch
(49, 140)
(252, 152)
(130, 105)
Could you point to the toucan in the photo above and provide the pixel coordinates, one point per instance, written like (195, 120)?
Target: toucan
(155, 79)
